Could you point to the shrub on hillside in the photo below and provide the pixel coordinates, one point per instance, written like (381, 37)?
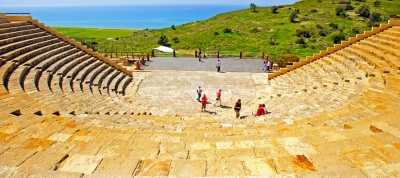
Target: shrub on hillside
(321, 33)
(173, 27)
(300, 41)
(344, 2)
(293, 16)
(377, 3)
(319, 26)
(227, 30)
(313, 11)
(375, 17)
(216, 33)
(360, 0)
(363, 11)
(288, 58)
(340, 9)
(334, 26)
(163, 41)
(337, 37)
(303, 33)
(175, 39)
(254, 30)
(274, 9)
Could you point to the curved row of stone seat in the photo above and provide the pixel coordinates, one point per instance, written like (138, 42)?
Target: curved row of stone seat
(40, 57)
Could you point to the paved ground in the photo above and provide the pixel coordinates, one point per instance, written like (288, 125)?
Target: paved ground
(208, 64)
(176, 90)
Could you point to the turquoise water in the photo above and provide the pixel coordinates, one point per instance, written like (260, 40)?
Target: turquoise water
(134, 17)
(131, 16)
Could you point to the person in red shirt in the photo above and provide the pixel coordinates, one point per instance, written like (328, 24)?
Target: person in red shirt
(218, 97)
(203, 103)
(260, 110)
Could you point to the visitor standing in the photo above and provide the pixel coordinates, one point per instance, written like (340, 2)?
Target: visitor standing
(238, 106)
(204, 52)
(218, 65)
(218, 98)
(265, 64)
(199, 90)
(203, 103)
(199, 54)
(268, 64)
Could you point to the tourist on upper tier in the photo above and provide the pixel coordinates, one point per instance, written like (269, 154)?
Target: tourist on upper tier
(199, 90)
(203, 103)
(260, 111)
(204, 54)
(218, 65)
(218, 97)
(238, 106)
(268, 64)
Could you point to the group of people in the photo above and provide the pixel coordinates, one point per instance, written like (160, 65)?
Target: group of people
(268, 63)
(238, 105)
(260, 111)
(204, 99)
(199, 54)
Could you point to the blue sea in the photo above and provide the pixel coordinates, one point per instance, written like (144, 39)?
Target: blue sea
(125, 17)
(128, 16)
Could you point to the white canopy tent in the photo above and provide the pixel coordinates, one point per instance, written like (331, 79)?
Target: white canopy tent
(164, 49)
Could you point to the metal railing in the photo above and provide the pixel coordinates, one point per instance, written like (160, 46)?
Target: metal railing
(127, 55)
(211, 54)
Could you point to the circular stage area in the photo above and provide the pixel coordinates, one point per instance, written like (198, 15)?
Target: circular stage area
(176, 90)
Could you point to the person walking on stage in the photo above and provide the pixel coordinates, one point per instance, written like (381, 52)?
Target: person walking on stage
(238, 106)
(199, 90)
(199, 54)
(268, 64)
(218, 65)
(218, 98)
(203, 103)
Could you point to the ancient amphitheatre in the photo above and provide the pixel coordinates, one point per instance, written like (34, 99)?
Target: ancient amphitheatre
(69, 112)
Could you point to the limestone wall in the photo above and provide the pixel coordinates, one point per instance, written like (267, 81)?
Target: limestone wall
(336, 47)
(71, 41)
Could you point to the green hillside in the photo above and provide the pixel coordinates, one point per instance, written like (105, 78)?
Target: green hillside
(98, 33)
(252, 31)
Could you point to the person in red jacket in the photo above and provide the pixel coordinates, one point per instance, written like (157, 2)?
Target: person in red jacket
(203, 103)
(218, 97)
(260, 111)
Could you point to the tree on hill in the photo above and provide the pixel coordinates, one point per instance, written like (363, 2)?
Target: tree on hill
(274, 9)
(253, 7)
(293, 16)
(163, 41)
(363, 11)
(173, 27)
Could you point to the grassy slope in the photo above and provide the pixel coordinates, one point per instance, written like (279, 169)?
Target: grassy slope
(98, 33)
(201, 33)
